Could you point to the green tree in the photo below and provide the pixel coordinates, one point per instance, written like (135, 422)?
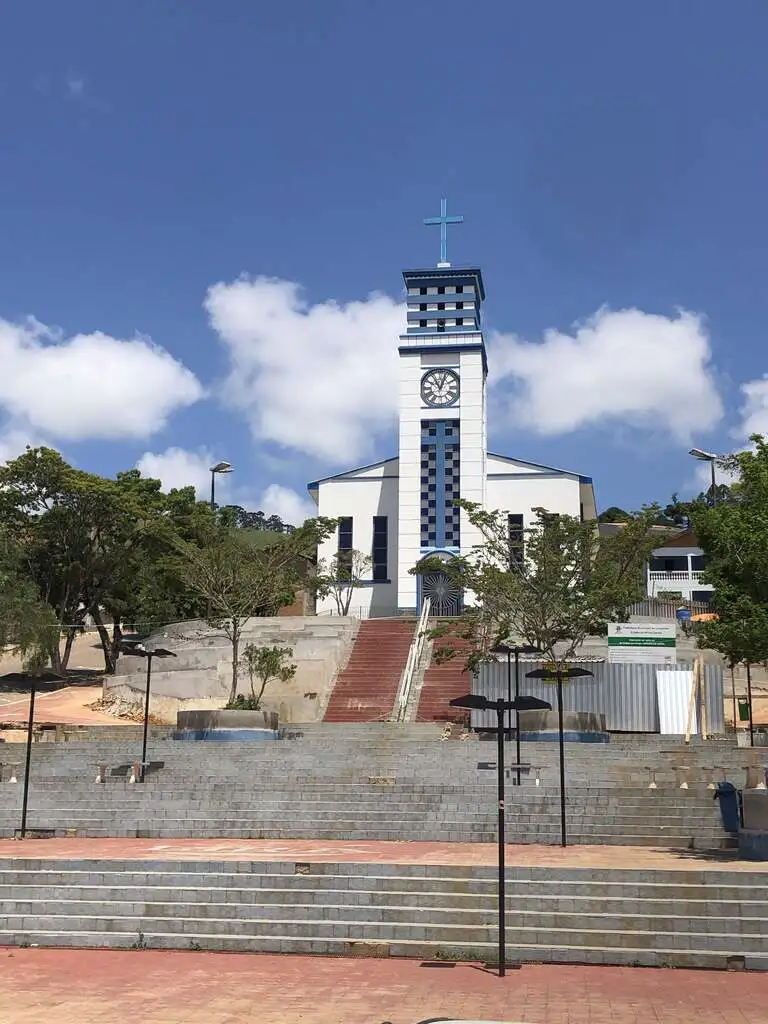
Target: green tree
(614, 515)
(28, 627)
(734, 537)
(340, 576)
(94, 546)
(566, 584)
(240, 577)
(265, 664)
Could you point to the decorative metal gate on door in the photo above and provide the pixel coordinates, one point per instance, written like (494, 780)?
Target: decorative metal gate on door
(444, 594)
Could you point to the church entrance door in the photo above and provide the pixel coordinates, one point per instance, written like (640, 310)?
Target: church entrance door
(444, 594)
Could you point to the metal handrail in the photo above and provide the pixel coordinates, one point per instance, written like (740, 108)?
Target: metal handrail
(414, 656)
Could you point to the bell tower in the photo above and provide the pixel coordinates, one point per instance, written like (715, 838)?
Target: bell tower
(442, 428)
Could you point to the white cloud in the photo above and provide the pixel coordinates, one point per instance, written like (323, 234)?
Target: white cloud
(754, 410)
(89, 385)
(640, 369)
(75, 86)
(13, 441)
(291, 506)
(178, 467)
(319, 379)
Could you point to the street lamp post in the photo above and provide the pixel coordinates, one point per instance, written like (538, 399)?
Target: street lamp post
(711, 458)
(749, 702)
(138, 650)
(28, 758)
(559, 675)
(220, 467)
(517, 650)
(525, 703)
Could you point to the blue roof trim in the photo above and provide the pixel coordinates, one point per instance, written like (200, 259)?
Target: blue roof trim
(356, 469)
(537, 465)
(495, 455)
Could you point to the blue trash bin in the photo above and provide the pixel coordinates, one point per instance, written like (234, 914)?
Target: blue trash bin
(730, 809)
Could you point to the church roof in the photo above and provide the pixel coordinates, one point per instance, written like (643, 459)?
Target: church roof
(539, 466)
(350, 474)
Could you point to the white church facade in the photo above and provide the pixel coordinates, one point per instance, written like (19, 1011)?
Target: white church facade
(402, 509)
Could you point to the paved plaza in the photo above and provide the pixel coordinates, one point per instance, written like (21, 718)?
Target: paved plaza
(320, 851)
(154, 987)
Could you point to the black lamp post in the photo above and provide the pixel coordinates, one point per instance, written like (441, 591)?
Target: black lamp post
(560, 675)
(749, 702)
(524, 703)
(138, 650)
(28, 758)
(517, 650)
(220, 467)
(711, 458)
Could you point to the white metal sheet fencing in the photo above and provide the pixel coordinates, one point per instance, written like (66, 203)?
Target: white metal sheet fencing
(625, 693)
(674, 691)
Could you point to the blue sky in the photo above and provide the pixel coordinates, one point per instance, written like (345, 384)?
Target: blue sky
(609, 160)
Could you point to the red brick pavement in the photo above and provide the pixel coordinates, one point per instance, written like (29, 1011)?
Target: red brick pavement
(322, 851)
(155, 987)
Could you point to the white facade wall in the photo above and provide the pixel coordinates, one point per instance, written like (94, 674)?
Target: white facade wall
(363, 494)
(409, 519)
(521, 494)
(473, 439)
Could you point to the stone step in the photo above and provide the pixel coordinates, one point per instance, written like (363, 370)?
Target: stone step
(27, 928)
(376, 911)
(441, 951)
(123, 898)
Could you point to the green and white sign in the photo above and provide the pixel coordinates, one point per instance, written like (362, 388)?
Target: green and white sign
(652, 643)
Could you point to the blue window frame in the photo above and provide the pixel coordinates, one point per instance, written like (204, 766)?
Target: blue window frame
(345, 546)
(516, 534)
(379, 552)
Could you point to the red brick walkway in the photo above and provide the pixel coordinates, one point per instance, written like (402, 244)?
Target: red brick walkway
(321, 851)
(154, 987)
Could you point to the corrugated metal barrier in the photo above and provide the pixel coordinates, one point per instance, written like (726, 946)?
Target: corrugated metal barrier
(625, 693)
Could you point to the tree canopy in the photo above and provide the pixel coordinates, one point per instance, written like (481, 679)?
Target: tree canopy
(563, 584)
(238, 579)
(108, 549)
(734, 537)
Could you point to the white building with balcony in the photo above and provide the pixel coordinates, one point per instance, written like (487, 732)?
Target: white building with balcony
(675, 570)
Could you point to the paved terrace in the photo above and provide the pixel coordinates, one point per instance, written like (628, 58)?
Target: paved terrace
(320, 852)
(102, 987)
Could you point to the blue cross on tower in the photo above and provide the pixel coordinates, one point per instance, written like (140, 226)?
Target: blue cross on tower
(443, 220)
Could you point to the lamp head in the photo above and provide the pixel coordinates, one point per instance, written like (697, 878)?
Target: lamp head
(222, 467)
(699, 453)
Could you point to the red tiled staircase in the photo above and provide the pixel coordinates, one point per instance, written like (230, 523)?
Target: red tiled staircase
(443, 682)
(366, 689)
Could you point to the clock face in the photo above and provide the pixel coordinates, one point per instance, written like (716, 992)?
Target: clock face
(440, 388)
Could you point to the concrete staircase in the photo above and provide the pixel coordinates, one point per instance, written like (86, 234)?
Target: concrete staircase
(443, 682)
(375, 782)
(687, 918)
(366, 689)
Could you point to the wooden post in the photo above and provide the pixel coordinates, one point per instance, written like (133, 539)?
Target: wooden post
(692, 702)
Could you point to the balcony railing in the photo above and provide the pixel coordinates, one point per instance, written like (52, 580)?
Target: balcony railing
(675, 577)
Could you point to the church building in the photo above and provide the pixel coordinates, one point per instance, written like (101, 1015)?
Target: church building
(402, 509)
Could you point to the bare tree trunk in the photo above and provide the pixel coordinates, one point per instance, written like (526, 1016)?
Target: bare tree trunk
(235, 638)
(106, 641)
(117, 636)
(63, 659)
(261, 693)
